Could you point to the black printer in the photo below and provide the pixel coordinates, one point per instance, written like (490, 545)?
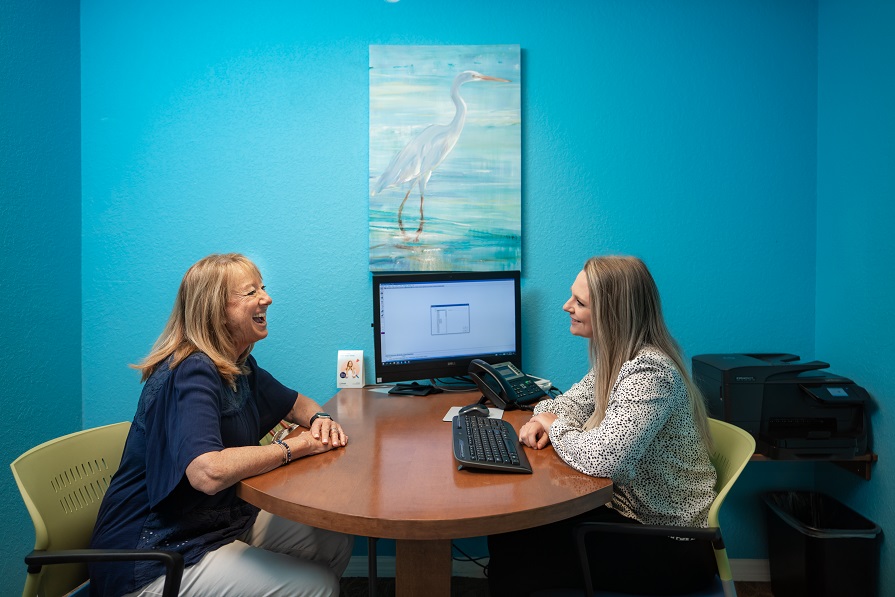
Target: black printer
(793, 410)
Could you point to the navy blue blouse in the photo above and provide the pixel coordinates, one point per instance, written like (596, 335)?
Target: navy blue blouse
(182, 413)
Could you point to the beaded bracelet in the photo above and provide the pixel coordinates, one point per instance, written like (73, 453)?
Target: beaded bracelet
(287, 452)
(279, 443)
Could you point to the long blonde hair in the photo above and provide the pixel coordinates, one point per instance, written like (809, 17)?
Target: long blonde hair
(626, 316)
(198, 319)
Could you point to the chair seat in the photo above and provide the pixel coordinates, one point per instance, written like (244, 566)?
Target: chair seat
(82, 590)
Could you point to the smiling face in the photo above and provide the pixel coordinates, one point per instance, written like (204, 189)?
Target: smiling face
(247, 311)
(578, 307)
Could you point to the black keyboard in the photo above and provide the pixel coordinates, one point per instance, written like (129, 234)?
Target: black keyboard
(485, 443)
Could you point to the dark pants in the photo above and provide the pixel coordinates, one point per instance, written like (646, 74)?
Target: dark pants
(546, 557)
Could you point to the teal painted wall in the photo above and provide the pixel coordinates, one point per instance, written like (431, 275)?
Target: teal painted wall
(855, 252)
(685, 133)
(40, 238)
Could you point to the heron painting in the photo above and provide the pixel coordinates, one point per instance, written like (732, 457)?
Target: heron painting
(445, 158)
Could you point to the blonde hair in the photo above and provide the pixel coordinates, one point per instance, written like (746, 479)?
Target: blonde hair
(626, 317)
(198, 319)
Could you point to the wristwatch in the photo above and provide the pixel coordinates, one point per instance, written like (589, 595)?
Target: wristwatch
(318, 416)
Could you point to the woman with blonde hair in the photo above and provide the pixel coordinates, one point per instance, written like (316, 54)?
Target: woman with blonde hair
(636, 418)
(203, 410)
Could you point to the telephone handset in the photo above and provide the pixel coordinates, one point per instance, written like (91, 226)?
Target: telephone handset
(504, 384)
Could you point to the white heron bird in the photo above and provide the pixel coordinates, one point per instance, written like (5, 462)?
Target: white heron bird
(419, 158)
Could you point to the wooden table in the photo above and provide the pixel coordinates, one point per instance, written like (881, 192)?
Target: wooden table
(397, 479)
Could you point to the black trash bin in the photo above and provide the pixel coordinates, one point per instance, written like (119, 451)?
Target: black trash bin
(818, 547)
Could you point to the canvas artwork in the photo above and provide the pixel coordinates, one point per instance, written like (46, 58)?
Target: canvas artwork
(445, 158)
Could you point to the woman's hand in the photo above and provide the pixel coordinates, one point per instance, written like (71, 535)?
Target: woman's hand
(305, 444)
(328, 432)
(323, 436)
(534, 433)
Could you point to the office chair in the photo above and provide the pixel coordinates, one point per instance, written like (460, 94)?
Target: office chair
(732, 449)
(62, 482)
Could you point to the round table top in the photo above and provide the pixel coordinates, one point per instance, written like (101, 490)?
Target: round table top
(397, 477)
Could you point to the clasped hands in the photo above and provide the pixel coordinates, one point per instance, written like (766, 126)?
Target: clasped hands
(325, 434)
(534, 433)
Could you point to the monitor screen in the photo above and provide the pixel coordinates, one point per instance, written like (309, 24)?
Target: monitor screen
(431, 325)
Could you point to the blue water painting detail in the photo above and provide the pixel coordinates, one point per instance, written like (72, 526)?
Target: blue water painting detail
(445, 121)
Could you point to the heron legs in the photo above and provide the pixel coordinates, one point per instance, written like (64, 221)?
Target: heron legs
(419, 230)
(401, 209)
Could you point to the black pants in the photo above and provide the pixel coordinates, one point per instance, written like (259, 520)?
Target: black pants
(546, 557)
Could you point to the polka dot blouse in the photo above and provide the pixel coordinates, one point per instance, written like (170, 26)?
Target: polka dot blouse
(647, 443)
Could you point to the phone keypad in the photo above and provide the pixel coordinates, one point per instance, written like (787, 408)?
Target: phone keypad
(526, 388)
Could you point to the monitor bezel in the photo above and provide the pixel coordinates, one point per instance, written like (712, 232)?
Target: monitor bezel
(431, 369)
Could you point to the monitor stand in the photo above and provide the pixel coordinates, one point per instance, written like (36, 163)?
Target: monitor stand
(414, 389)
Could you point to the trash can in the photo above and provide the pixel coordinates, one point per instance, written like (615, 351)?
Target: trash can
(818, 547)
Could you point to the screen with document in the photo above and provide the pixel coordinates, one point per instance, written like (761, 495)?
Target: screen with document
(431, 325)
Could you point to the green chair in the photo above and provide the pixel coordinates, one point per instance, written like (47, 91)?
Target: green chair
(62, 483)
(733, 448)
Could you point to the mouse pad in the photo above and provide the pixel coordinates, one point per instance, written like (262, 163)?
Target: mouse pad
(493, 413)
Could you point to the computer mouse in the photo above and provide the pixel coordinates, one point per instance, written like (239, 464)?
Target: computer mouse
(477, 409)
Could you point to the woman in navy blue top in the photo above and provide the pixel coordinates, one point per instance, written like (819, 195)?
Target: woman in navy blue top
(204, 408)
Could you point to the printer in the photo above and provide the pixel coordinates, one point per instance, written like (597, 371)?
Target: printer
(792, 408)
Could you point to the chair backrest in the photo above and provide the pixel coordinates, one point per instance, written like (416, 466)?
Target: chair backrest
(62, 483)
(733, 447)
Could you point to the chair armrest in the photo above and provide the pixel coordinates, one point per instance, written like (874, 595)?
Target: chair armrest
(172, 560)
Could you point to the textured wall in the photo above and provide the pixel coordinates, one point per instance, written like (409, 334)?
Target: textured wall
(40, 235)
(855, 252)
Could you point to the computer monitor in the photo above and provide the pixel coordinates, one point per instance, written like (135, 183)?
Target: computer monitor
(430, 325)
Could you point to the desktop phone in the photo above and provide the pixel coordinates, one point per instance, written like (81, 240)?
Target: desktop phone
(504, 384)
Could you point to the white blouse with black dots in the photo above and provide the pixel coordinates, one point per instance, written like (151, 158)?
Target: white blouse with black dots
(648, 443)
